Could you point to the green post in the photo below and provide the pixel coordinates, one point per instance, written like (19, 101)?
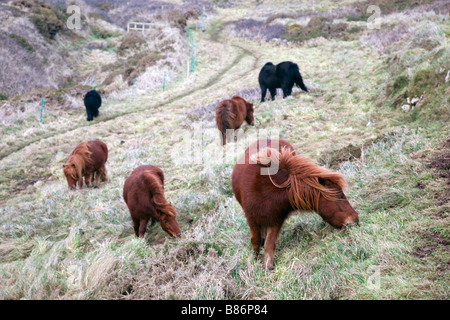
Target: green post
(191, 41)
(42, 108)
(164, 82)
(132, 90)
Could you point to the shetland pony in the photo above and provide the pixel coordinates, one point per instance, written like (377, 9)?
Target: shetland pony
(283, 75)
(143, 193)
(92, 101)
(298, 184)
(230, 114)
(86, 160)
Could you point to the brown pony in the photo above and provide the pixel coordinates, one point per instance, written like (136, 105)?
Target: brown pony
(298, 184)
(143, 193)
(86, 160)
(230, 114)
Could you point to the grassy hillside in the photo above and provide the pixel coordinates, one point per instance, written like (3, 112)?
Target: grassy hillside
(62, 244)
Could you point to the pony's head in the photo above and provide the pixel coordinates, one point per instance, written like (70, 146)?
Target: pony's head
(249, 118)
(71, 173)
(333, 205)
(73, 169)
(168, 222)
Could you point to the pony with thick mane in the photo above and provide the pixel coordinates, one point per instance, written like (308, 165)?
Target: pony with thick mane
(86, 161)
(270, 182)
(231, 113)
(143, 193)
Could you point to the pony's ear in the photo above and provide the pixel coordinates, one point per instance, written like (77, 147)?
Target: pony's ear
(64, 166)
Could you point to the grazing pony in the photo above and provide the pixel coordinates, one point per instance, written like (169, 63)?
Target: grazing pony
(230, 114)
(298, 184)
(143, 193)
(86, 160)
(92, 101)
(284, 75)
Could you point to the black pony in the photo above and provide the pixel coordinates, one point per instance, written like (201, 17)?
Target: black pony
(284, 75)
(92, 101)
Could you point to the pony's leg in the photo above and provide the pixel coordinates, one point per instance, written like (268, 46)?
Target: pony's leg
(255, 238)
(224, 138)
(102, 173)
(142, 228)
(269, 246)
(88, 179)
(136, 226)
(286, 86)
(80, 182)
(263, 235)
(97, 178)
(273, 93)
(89, 114)
(263, 93)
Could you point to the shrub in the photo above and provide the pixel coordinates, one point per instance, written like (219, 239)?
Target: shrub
(47, 23)
(131, 40)
(105, 6)
(102, 33)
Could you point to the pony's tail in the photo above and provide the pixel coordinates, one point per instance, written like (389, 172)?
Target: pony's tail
(299, 80)
(224, 131)
(224, 115)
(155, 188)
(103, 174)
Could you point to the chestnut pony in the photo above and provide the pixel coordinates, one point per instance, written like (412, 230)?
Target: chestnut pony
(230, 114)
(86, 160)
(297, 184)
(143, 193)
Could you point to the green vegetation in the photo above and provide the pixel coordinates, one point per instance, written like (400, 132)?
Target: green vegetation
(23, 42)
(102, 33)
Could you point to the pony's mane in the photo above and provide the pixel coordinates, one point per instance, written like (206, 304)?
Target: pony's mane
(303, 182)
(77, 161)
(157, 191)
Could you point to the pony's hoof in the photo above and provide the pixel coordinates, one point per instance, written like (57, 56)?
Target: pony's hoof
(94, 187)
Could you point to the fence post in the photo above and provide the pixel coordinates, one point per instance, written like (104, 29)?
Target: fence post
(42, 108)
(164, 82)
(132, 89)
